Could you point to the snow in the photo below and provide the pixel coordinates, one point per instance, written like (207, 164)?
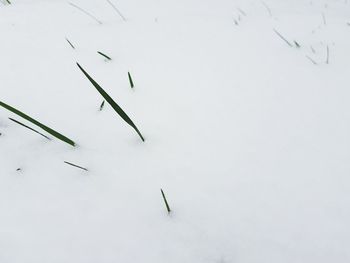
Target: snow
(246, 136)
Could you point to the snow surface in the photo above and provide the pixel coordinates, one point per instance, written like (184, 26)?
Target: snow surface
(247, 137)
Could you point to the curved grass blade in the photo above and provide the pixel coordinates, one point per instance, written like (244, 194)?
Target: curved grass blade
(130, 80)
(86, 13)
(104, 55)
(22, 124)
(35, 122)
(267, 8)
(116, 9)
(111, 102)
(77, 166)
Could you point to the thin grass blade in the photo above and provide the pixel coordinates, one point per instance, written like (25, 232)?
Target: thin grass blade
(86, 13)
(130, 80)
(165, 201)
(283, 38)
(241, 11)
(22, 124)
(267, 8)
(70, 43)
(37, 123)
(313, 61)
(111, 102)
(116, 9)
(77, 166)
(102, 105)
(104, 55)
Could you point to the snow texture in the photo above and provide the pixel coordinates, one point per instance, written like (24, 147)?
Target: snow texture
(247, 135)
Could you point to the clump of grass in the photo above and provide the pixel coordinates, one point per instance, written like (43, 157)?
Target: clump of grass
(283, 38)
(116, 9)
(22, 124)
(165, 201)
(111, 102)
(130, 80)
(77, 166)
(104, 55)
(86, 13)
(70, 43)
(37, 123)
(102, 105)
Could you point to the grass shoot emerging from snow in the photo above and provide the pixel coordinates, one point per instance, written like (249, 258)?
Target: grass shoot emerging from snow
(70, 43)
(283, 38)
(22, 124)
(102, 105)
(165, 201)
(104, 55)
(35, 122)
(111, 102)
(296, 44)
(130, 80)
(77, 166)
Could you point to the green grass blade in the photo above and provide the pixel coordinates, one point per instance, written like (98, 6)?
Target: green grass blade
(77, 166)
(35, 122)
(22, 124)
(70, 43)
(283, 38)
(297, 44)
(130, 80)
(104, 55)
(102, 105)
(165, 201)
(111, 102)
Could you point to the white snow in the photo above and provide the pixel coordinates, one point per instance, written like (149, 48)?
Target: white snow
(249, 140)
